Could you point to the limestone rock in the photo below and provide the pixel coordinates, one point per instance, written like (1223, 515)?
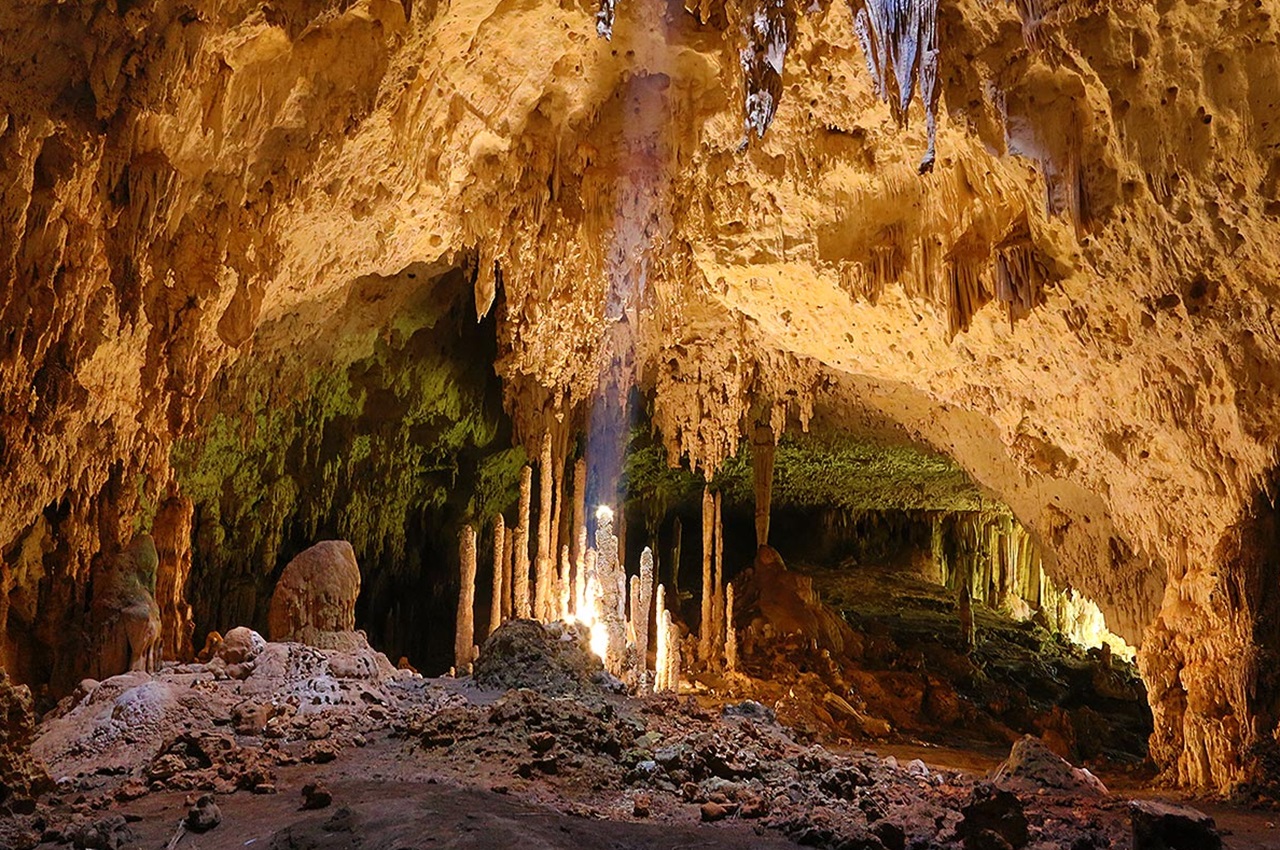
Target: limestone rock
(1160, 826)
(204, 815)
(22, 774)
(993, 820)
(526, 654)
(316, 593)
(125, 616)
(1032, 766)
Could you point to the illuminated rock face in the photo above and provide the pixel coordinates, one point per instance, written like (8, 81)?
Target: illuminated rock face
(1076, 304)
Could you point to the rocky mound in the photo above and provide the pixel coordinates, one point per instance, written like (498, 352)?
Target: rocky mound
(1032, 766)
(555, 658)
(21, 774)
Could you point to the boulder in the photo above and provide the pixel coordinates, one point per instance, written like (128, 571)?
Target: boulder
(993, 819)
(316, 594)
(1160, 826)
(1032, 766)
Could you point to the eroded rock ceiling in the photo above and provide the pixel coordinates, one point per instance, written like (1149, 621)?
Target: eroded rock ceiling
(1075, 302)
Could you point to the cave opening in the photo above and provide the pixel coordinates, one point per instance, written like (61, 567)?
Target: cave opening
(885, 537)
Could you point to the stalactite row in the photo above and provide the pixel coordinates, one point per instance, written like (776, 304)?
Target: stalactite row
(583, 585)
(996, 562)
(899, 42)
(900, 36)
(769, 30)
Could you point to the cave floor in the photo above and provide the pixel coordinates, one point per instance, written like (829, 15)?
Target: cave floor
(412, 763)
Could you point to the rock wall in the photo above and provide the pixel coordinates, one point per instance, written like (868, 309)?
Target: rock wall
(1076, 303)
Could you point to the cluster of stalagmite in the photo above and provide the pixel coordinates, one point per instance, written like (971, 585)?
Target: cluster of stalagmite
(584, 585)
(991, 559)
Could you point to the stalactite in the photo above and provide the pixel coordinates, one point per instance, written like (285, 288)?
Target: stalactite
(499, 567)
(769, 27)
(900, 36)
(708, 592)
(763, 449)
(464, 640)
(604, 19)
(543, 566)
(520, 567)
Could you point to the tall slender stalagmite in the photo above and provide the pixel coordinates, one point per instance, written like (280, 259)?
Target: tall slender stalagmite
(730, 633)
(520, 566)
(673, 652)
(677, 532)
(661, 649)
(564, 587)
(763, 448)
(580, 577)
(508, 572)
(640, 611)
(717, 584)
(558, 578)
(613, 587)
(499, 564)
(708, 591)
(633, 603)
(579, 539)
(543, 565)
(464, 638)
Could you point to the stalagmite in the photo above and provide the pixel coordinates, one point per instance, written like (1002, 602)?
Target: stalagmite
(763, 449)
(520, 567)
(564, 587)
(557, 533)
(641, 601)
(544, 567)
(667, 653)
(677, 532)
(613, 588)
(508, 572)
(579, 530)
(660, 650)
(633, 600)
(730, 633)
(708, 593)
(499, 565)
(464, 642)
(673, 652)
(717, 586)
(580, 577)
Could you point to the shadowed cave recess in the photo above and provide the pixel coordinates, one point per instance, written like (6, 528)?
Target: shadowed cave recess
(841, 424)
